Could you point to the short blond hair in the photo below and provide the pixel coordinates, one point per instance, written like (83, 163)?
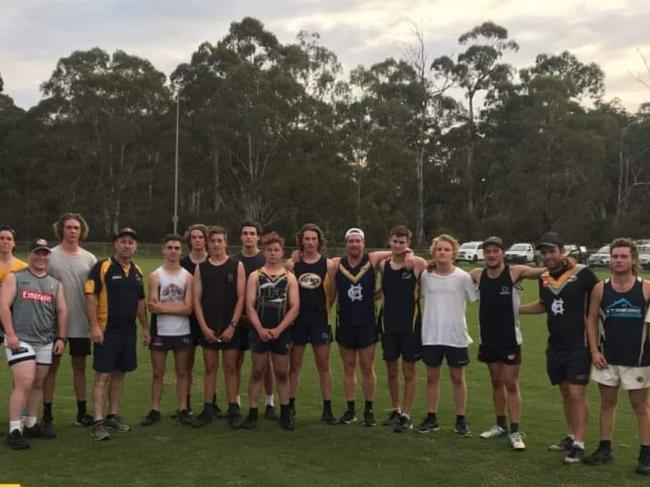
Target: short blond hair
(445, 238)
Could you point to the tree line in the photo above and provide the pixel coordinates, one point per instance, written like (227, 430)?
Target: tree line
(276, 133)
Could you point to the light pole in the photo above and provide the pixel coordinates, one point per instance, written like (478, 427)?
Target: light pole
(175, 217)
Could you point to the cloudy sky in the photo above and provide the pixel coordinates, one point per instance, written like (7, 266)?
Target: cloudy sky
(34, 34)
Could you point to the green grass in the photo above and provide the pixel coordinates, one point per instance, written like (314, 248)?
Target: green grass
(317, 454)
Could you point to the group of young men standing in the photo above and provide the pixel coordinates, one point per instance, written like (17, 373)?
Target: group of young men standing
(255, 301)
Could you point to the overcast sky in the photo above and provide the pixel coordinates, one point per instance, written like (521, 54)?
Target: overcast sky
(34, 34)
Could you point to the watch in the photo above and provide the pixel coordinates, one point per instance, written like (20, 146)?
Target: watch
(233, 324)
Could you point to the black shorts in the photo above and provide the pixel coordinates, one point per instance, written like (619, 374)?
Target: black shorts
(117, 353)
(79, 347)
(233, 344)
(356, 337)
(432, 355)
(280, 346)
(244, 335)
(506, 355)
(167, 343)
(314, 334)
(572, 366)
(406, 345)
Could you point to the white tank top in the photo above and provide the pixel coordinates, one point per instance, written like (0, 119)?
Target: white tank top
(171, 289)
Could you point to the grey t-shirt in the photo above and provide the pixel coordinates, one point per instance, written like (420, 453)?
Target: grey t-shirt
(33, 310)
(72, 271)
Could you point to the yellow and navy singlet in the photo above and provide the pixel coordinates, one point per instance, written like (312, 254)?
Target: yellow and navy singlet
(272, 298)
(356, 294)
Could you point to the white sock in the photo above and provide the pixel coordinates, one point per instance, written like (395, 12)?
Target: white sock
(30, 421)
(406, 415)
(573, 437)
(269, 400)
(15, 425)
(579, 444)
(238, 399)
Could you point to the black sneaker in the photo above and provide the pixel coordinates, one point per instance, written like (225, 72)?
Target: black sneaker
(574, 456)
(288, 422)
(203, 419)
(234, 417)
(599, 457)
(33, 432)
(47, 429)
(17, 441)
(218, 414)
(84, 420)
(184, 417)
(392, 419)
(369, 418)
(271, 415)
(428, 424)
(329, 418)
(348, 417)
(403, 425)
(152, 418)
(643, 467)
(462, 430)
(564, 445)
(250, 423)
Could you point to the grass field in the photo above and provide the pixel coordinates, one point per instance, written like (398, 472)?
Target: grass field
(317, 454)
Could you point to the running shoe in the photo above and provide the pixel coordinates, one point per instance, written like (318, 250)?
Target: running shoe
(574, 456)
(403, 425)
(152, 418)
(517, 441)
(392, 419)
(495, 431)
(348, 417)
(115, 422)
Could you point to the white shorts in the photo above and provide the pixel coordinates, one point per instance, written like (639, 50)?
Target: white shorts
(630, 378)
(42, 354)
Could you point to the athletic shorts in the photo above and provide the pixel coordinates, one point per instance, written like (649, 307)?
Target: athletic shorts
(506, 355)
(279, 346)
(432, 355)
(79, 347)
(233, 344)
(405, 345)
(117, 353)
(166, 343)
(314, 334)
(42, 354)
(631, 378)
(356, 337)
(245, 334)
(572, 366)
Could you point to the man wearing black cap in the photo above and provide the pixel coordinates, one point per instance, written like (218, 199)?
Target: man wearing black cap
(500, 347)
(34, 316)
(564, 291)
(114, 296)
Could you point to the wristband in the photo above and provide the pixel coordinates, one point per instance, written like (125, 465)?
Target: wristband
(233, 324)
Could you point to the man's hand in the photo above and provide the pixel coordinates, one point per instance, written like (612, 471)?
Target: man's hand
(227, 334)
(59, 345)
(598, 359)
(13, 343)
(96, 335)
(210, 335)
(146, 337)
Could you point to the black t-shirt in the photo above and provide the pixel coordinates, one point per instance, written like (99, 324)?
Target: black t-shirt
(565, 296)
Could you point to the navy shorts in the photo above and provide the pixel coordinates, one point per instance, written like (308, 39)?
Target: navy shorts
(356, 337)
(572, 366)
(117, 353)
(405, 345)
(280, 346)
(314, 334)
(167, 343)
(432, 355)
(506, 355)
(233, 344)
(79, 347)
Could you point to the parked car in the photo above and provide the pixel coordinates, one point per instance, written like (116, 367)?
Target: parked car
(521, 253)
(471, 252)
(577, 252)
(599, 258)
(644, 256)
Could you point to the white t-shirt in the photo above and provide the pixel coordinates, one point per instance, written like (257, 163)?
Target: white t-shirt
(172, 290)
(443, 317)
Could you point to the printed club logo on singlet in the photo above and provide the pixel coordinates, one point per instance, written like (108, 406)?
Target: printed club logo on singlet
(172, 293)
(28, 295)
(622, 308)
(505, 291)
(355, 292)
(309, 280)
(557, 306)
(406, 276)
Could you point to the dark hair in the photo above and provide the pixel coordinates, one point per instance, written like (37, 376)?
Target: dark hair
(271, 238)
(216, 230)
(310, 227)
(171, 237)
(60, 223)
(250, 223)
(400, 231)
(7, 228)
(197, 226)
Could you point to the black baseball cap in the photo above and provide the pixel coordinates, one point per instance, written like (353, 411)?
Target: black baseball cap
(39, 244)
(494, 240)
(549, 239)
(125, 231)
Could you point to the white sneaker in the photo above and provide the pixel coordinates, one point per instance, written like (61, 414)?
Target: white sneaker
(494, 432)
(517, 441)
